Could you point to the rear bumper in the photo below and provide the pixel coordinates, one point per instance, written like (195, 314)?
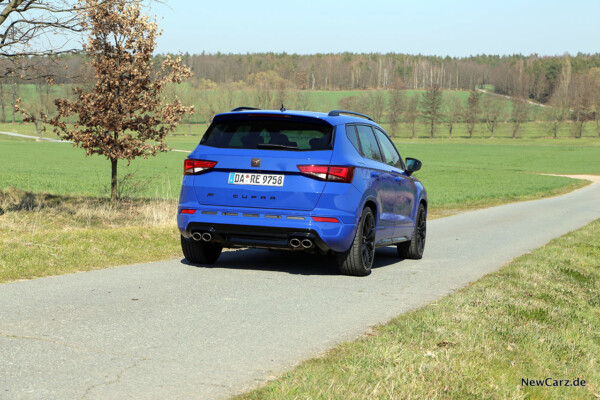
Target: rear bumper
(259, 236)
(251, 228)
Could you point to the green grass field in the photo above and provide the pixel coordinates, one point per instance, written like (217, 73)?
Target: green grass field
(456, 172)
(536, 318)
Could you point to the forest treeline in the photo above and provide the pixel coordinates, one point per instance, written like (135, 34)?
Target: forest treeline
(569, 84)
(533, 77)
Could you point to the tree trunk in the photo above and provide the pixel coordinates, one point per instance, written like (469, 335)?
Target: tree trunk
(432, 125)
(113, 180)
(37, 128)
(580, 128)
(14, 100)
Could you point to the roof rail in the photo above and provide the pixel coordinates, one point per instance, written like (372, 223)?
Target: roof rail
(336, 113)
(244, 108)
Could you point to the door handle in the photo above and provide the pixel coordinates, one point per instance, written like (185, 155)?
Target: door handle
(398, 179)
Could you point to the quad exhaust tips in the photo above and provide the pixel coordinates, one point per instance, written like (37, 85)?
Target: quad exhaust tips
(198, 236)
(306, 243)
(207, 237)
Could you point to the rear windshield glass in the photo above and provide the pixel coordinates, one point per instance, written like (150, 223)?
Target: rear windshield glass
(268, 134)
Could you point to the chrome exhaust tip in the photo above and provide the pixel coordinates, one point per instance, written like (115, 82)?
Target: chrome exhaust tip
(197, 236)
(207, 237)
(307, 243)
(295, 242)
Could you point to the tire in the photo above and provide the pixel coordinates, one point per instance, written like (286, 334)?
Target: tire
(200, 252)
(414, 248)
(357, 261)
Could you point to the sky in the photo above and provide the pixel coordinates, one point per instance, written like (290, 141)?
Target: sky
(445, 28)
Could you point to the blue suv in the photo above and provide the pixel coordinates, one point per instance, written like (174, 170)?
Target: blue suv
(300, 181)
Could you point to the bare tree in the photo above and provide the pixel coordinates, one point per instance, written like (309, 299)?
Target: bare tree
(349, 103)
(493, 110)
(412, 112)
(397, 106)
(472, 111)
(123, 111)
(3, 98)
(37, 27)
(454, 109)
(555, 116)
(581, 100)
(302, 100)
(432, 105)
(376, 105)
(14, 100)
(520, 113)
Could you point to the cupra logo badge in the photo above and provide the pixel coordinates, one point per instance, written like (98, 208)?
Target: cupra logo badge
(255, 162)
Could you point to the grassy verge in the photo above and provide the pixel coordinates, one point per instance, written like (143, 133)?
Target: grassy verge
(536, 318)
(43, 235)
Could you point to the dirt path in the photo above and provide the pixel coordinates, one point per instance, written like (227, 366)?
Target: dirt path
(591, 178)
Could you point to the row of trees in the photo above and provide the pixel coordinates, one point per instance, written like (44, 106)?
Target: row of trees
(566, 83)
(533, 77)
(435, 106)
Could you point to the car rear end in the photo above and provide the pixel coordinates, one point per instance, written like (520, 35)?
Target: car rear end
(266, 179)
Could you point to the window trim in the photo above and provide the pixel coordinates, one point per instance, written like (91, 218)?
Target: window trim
(376, 141)
(359, 149)
(402, 165)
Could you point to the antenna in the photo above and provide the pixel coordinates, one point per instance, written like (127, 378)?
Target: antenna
(282, 109)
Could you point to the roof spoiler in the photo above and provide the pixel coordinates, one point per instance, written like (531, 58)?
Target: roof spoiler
(336, 113)
(244, 108)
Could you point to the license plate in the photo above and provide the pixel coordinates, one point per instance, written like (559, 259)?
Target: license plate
(241, 178)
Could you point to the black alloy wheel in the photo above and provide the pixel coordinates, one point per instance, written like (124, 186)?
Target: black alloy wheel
(414, 249)
(358, 260)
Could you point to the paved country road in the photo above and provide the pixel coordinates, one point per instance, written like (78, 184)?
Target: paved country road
(169, 330)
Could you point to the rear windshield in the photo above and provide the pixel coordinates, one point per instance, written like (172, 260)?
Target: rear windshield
(268, 134)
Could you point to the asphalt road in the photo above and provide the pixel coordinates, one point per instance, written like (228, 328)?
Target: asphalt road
(170, 330)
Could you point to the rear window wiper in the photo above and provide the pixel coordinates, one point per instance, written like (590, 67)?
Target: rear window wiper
(275, 146)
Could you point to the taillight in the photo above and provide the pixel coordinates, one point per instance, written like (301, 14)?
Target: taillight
(195, 167)
(331, 173)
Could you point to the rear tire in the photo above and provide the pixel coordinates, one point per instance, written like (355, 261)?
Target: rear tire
(357, 261)
(414, 248)
(200, 252)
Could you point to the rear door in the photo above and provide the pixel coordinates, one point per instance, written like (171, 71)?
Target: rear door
(382, 181)
(405, 189)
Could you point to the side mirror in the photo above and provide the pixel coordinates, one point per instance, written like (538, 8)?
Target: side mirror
(412, 165)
